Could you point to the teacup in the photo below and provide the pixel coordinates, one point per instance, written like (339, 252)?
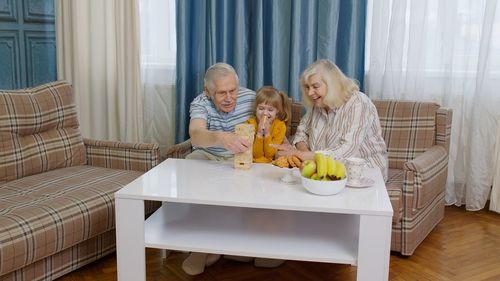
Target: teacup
(355, 167)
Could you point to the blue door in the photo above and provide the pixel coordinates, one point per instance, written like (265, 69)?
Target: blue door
(27, 43)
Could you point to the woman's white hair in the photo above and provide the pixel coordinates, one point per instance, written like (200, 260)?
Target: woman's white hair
(217, 71)
(339, 87)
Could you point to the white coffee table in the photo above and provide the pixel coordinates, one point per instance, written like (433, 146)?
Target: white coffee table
(211, 207)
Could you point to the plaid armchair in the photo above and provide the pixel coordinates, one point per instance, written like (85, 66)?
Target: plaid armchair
(417, 135)
(56, 188)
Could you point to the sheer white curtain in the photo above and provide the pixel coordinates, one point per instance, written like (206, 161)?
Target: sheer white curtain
(495, 192)
(445, 51)
(98, 52)
(158, 59)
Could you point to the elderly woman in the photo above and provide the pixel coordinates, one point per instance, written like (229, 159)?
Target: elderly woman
(339, 118)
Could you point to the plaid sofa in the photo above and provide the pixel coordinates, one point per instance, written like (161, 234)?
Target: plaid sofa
(56, 188)
(417, 135)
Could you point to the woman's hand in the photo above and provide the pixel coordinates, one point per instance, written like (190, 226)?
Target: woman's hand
(288, 149)
(285, 147)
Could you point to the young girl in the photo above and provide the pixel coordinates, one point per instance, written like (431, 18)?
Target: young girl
(269, 122)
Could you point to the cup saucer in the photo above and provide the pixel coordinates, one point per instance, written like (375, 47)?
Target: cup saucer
(363, 182)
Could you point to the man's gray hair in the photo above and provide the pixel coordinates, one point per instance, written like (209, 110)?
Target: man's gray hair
(217, 71)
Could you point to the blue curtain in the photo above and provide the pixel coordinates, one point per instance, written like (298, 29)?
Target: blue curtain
(268, 42)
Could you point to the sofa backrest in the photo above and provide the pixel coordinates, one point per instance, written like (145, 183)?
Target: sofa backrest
(39, 131)
(408, 128)
(295, 112)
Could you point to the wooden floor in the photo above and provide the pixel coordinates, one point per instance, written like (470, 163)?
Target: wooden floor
(464, 246)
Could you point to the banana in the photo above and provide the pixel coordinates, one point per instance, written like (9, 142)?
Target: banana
(331, 166)
(325, 167)
(340, 170)
(318, 161)
(320, 164)
(324, 164)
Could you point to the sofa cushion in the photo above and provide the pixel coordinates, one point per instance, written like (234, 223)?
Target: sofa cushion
(39, 131)
(408, 128)
(46, 213)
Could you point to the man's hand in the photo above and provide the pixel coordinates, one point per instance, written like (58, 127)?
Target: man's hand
(234, 143)
(202, 137)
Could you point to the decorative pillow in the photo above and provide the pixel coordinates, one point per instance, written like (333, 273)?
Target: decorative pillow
(39, 131)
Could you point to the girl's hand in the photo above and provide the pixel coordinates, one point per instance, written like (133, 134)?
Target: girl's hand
(264, 126)
(267, 126)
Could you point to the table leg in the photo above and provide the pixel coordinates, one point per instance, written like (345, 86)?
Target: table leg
(374, 247)
(130, 251)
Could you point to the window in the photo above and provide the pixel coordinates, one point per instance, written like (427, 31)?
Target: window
(158, 35)
(435, 36)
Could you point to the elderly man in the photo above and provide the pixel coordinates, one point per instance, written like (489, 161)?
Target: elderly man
(214, 114)
(216, 111)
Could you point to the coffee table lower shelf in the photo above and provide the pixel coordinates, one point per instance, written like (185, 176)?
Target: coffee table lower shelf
(290, 235)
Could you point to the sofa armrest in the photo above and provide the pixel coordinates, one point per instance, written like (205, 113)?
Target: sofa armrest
(122, 155)
(180, 150)
(426, 175)
(443, 127)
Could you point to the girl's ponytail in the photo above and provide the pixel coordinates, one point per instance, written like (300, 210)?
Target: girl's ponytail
(286, 102)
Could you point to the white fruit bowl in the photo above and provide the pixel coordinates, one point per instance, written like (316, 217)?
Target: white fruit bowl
(320, 187)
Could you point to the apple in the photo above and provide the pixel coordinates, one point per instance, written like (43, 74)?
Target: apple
(308, 168)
